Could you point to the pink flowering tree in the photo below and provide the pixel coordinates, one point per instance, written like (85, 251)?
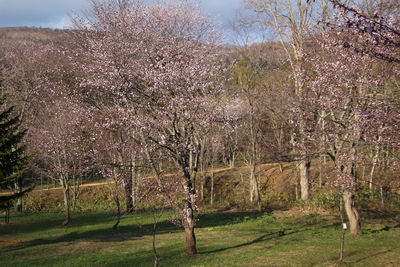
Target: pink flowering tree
(374, 30)
(116, 153)
(354, 99)
(158, 64)
(62, 146)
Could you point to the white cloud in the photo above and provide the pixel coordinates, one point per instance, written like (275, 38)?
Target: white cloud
(63, 23)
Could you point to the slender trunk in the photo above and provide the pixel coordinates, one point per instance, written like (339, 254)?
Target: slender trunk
(203, 162)
(156, 256)
(322, 158)
(7, 214)
(351, 211)
(304, 167)
(343, 230)
(212, 186)
(128, 191)
(118, 206)
(374, 163)
(66, 191)
(75, 191)
(234, 150)
(321, 171)
(364, 169)
(134, 176)
(382, 197)
(188, 214)
(371, 176)
(254, 189)
(113, 185)
(231, 163)
(251, 185)
(18, 204)
(203, 181)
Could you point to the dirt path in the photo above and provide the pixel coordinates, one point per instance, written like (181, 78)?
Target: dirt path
(105, 182)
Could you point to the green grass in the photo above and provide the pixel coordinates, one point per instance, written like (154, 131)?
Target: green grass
(224, 239)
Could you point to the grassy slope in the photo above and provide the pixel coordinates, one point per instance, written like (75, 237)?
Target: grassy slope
(224, 239)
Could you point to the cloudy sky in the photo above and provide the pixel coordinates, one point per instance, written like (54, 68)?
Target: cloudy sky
(55, 13)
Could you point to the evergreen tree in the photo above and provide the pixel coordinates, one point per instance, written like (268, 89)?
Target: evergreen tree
(12, 158)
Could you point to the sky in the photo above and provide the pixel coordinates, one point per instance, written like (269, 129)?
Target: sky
(55, 13)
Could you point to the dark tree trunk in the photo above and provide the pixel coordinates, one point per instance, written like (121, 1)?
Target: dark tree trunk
(118, 211)
(7, 214)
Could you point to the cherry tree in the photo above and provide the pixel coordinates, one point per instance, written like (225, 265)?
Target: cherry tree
(61, 144)
(361, 109)
(358, 113)
(374, 32)
(116, 154)
(159, 65)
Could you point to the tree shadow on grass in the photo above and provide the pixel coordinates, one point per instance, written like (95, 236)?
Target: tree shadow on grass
(170, 255)
(261, 238)
(372, 255)
(224, 218)
(106, 234)
(54, 221)
(122, 233)
(273, 235)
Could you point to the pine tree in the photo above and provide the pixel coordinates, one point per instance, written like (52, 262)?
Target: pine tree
(12, 158)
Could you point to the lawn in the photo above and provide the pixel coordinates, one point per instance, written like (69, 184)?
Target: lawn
(224, 239)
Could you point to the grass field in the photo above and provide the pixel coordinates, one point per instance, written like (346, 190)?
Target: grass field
(224, 239)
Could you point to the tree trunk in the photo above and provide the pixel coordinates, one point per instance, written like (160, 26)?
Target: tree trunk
(128, 191)
(232, 160)
(7, 214)
(351, 211)
(75, 191)
(18, 204)
(118, 211)
(202, 184)
(66, 203)
(212, 186)
(254, 191)
(134, 176)
(304, 167)
(321, 171)
(374, 163)
(342, 235)
(188, 214)
(190, 237)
